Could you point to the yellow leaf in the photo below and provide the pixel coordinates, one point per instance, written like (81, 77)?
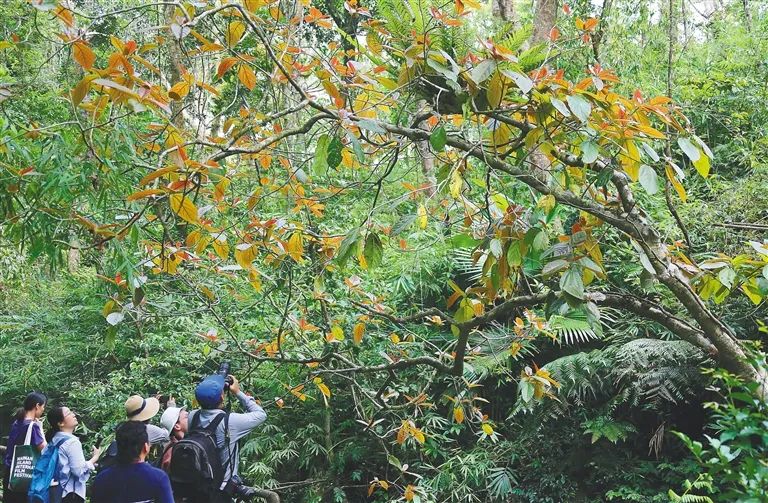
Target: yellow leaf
(254, 279)
(322, 387)
(422, 217)
(183, 206)
(81, 90)
(373, 42)
(246, 76)
(193, 237)
(418, 435)
(221, 247)
(202, 244)
(179, 90)
(245, 253)
(630, 160)
(402, 433)
(702, 165)
(357, 332)
(676, 184)
(253, 5)
(495, 91)
(456, 184)
(337, 333)
(235, 32)
(220, 189)
(394, 338)
(409, 493)
(83, 54)
(487, 429)
(458, 414)
(296, 246)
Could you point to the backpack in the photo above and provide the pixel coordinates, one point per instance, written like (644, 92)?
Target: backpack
(109, 458)
(44, 473)
(196, 470)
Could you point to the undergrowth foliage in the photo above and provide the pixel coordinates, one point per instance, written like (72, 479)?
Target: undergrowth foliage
(455, 260)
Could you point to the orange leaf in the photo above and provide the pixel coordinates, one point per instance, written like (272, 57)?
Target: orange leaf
(83, 54)
(358, 332)
(225, 65)
(246, 76)
(144, 193)
(157, 173)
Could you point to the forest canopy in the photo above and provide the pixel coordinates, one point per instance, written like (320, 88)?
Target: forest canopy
(450, 244)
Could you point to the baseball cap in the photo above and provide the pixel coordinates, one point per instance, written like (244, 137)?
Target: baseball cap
(208, 392)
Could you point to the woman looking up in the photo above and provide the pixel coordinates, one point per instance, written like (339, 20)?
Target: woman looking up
(73, 469)
(26, 420)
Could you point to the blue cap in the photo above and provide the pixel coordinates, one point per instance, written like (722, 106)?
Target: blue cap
(208, 392)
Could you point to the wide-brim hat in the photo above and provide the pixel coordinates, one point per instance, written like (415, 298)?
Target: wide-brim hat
(141, 409)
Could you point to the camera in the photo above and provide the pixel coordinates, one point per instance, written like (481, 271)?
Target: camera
(236, 488)
(224, 372)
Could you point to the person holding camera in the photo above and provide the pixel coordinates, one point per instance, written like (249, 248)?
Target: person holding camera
(212, 443)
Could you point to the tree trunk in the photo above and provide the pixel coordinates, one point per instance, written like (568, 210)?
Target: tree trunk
(505, 9)
(427, 157)
(544, 19)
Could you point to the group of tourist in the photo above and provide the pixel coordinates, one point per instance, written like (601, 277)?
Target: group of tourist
(197, 458)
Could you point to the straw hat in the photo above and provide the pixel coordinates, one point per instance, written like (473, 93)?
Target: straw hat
(141, 409)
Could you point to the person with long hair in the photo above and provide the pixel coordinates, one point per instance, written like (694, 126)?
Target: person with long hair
(26, 420)
(72, 470)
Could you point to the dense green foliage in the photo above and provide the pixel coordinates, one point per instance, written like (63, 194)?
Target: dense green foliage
(582, 410)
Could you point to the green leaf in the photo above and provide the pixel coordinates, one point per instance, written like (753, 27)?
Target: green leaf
(650, 152)
(348, 246)
(334, 152)
(373, 250)
(438, 138)
(320, 162)
(514, 255)
(727, 276)
(496, 247)
(691, 150)
(371, 126)
(482, 71)
(648, 179)
(523, 81)
(356, 147)
(580, 107)
(571, 282)
(526, 390)
(402, 224)
(560, 106)
(554, 267)
(463, 241)
(589, 152)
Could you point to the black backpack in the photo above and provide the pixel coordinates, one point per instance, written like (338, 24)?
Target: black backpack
(196, 471)
(109, 458)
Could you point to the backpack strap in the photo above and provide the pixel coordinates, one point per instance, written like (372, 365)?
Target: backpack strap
(28, 436)
(217, 421)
